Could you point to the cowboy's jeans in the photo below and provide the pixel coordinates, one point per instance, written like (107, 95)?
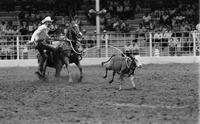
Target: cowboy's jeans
(41, 46)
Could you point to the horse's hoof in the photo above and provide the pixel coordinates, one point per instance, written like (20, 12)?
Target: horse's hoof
(44, 78)
(134, 88)
(70, 81)
(80, 79)
(57, 76)
(120, 88)
(104, 77)
(38, 73)
(40, 76)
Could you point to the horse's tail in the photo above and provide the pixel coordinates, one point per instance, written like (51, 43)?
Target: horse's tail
(108, 60)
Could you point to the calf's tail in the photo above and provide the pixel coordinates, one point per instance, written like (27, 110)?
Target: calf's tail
(108, 60)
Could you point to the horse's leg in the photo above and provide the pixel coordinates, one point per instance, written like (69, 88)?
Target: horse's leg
(58, 69)
(80, 70)
(66, 61)
(44, 67)
(112, 77)
(69, 72)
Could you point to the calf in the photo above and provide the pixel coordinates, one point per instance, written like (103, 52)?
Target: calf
(121, 65)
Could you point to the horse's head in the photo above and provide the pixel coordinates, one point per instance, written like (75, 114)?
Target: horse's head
(75, 30)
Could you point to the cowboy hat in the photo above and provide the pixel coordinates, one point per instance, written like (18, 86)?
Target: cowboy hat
(47, 19)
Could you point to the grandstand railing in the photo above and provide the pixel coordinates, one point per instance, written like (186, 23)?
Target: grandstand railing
(14, 47)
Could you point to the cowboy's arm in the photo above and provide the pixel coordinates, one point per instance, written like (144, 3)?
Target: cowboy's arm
(40, 30)
(48, 37)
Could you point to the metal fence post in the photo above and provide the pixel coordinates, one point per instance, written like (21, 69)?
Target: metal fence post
(194, 43)
(106, 44)
(17, 47)
(150, 43)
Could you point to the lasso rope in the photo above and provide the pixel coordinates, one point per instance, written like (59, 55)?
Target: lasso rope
(80, 53)
(70, 45)
(127, 58)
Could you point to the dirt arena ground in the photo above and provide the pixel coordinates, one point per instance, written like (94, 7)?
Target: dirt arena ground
(165, 94)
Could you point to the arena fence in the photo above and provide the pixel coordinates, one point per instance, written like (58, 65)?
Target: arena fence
(156, 47)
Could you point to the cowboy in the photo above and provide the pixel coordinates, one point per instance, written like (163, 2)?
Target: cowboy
(40, 39)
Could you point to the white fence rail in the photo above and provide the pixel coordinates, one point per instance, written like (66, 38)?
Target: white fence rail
(171, 47)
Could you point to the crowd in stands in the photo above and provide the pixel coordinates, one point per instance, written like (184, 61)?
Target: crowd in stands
(180, 17)
(30, 14)
(118, 11)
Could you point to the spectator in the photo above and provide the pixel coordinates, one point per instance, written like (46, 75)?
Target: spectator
(31, 28)
(8, 30)
(185, 27)
(141, 30)
(116, 24)
(151, 26)
(120, 10)
(24, 28)
(138, 8)
(179, 47)
(3, 26)
(15, 30)
(21, 15)
(156, 50)
(127, 8)
(165, 19)
(32, 17)
(172, 46)
(146, 19)
(158, 37)
(103, 23)
(124, 27)
(166, 36)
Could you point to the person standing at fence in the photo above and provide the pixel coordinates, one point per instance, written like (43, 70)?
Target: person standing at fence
(156, 50)
(136, 54)
(132, 51)
(128, 48)
(40, 39)
(197, 33)
(179, 47)
(172, 46)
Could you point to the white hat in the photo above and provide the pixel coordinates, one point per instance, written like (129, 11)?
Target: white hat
(48, 18)
(198, 27)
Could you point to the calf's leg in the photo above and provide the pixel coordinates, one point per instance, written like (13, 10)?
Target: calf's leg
(112, 77)
(105, 76)
(132, 81)
(121, 81)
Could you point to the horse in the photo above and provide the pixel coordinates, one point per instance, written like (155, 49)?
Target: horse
(68, 53)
